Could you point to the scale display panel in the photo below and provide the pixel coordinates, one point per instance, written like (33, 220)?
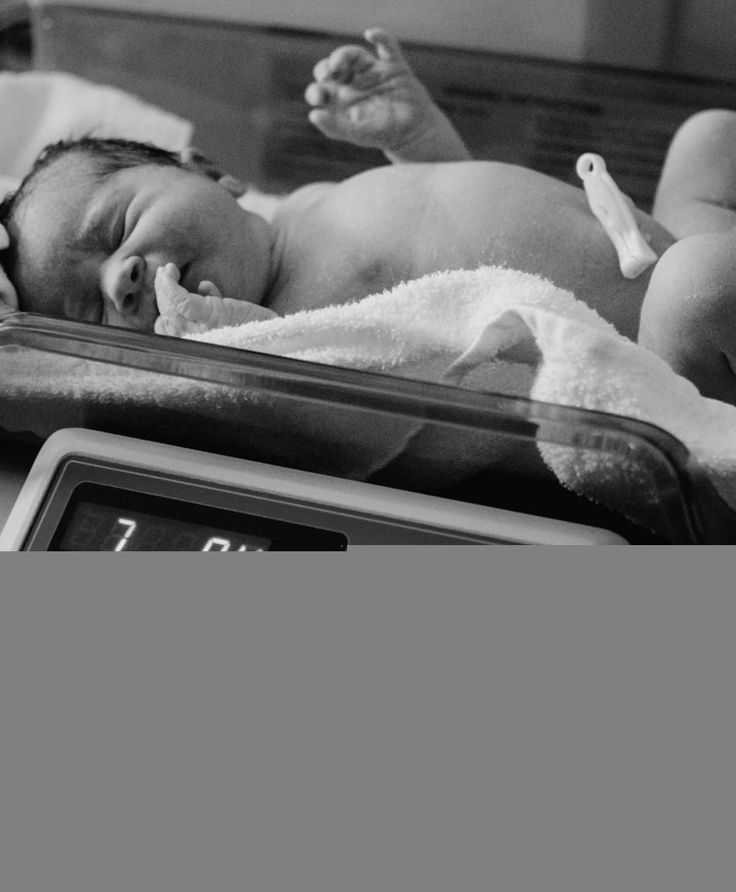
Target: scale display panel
(92, 491)
(105, 518)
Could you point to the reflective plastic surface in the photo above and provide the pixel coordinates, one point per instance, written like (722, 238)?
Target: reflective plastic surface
(486, 448)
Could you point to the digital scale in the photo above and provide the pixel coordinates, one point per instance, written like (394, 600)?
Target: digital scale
(93, 491)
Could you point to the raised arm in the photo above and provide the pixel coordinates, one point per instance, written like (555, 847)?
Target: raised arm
(372, 98)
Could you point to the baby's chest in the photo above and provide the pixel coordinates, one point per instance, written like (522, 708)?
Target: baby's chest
(326, 272)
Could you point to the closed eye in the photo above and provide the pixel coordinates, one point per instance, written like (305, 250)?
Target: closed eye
(119, 230)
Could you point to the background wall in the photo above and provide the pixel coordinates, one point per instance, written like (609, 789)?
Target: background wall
(695, 37)
(705, 38)
(625, 32)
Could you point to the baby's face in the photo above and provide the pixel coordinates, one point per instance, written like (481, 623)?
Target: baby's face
(89, 249)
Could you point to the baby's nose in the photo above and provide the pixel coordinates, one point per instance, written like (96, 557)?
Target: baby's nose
(126, 284)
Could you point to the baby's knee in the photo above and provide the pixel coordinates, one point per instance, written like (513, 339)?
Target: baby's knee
(697, 189)
(689, 312)
(712, 122)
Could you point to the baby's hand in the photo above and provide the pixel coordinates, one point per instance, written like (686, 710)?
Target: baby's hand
(372, 98)
(183, 313)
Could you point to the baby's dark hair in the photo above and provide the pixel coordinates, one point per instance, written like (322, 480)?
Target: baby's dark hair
(110, 156)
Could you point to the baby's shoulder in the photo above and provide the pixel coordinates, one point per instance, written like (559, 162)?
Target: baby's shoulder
(305, 198)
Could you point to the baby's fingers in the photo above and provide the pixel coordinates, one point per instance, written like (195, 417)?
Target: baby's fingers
(321, 71)
(206, 288)
(344, 64)
(317, 95)
(165, 326)
(173, 300)
(387, 47)
(167, 288)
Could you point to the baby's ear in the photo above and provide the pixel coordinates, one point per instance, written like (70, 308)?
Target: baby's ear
(194, 160)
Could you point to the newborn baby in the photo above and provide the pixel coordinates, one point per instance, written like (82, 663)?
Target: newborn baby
(123, 234)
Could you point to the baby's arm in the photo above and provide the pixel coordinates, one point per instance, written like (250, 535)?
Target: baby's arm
(688, 313)
(376, 100)
(183, 313)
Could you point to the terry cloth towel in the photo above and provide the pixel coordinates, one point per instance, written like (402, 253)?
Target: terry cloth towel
(490, 329)
(505, 331)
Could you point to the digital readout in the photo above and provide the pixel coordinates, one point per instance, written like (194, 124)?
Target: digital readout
(95, 527)
(102, 517)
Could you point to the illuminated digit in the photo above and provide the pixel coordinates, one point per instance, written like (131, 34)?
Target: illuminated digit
(215, 543)
(130, 529)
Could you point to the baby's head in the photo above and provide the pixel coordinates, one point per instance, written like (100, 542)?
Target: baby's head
(94, 219)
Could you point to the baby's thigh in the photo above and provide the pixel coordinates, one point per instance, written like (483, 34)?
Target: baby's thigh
(689, 312)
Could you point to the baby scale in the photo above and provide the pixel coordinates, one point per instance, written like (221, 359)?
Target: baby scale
(134, 473)
(93, 491)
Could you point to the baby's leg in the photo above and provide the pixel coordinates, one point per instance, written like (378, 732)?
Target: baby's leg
(689, 312)
(697, 189)
(377, 101)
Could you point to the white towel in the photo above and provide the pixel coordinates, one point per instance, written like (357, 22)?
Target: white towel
(506, 331)
(490, 329)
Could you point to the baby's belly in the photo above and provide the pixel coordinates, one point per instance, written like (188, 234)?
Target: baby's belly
(586, 267)
(563, 243)
(460, 217)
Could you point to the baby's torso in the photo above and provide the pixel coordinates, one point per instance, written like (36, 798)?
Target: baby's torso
(338, 243)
